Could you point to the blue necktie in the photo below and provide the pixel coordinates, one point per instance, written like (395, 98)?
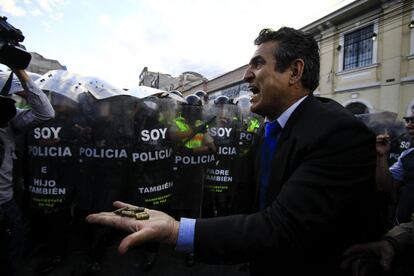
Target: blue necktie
(272, 129)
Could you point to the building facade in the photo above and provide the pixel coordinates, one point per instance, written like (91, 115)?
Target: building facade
(367, 58)
(230, 84)
(41, 65)
(166, 82)
(156, 79)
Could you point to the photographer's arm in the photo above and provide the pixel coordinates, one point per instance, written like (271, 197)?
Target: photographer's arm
(21, 75)
(41, 109)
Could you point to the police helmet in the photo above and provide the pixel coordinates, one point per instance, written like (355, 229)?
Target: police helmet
(201, 94)
(178, 93)
(174, 95)
(151, 102)
(193, 100)
(242, 100)
(222, 100)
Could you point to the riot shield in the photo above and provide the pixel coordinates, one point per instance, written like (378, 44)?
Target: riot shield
(249, 125)
(219, 178)
(51, 173)
(103, 156)
(400, 141)
(142, 92)
(71, 85)
(385, 122)
(194, 149)
(52, 157)
(151, 158)
(100, 88)
(62, 82)
(378, 121)
(247, 140)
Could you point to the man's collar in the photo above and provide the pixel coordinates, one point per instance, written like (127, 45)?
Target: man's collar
(284, 117)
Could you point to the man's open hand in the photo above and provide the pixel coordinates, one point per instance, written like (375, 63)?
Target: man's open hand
(160, 227)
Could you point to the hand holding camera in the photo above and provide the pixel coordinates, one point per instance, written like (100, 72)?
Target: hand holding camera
(12, 53)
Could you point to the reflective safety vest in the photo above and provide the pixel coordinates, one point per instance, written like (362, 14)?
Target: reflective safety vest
(182, 124)
(253, 125)
(197, 140)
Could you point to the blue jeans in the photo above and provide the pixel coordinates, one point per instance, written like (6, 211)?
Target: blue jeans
(14, 219)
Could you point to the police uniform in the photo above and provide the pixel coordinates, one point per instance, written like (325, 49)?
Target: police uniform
(403, 171)
(219, 177)
(103, 159)
(189, 170)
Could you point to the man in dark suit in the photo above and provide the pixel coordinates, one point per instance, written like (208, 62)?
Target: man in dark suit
(317, 196)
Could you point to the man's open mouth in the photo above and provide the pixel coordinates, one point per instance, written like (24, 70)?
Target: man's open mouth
(254, 89)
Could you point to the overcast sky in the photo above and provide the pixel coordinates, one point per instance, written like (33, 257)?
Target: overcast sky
(115, 39)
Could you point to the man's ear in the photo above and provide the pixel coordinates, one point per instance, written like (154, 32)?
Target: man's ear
(296, 71)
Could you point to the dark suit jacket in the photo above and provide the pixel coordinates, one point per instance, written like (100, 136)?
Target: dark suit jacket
(320, 199)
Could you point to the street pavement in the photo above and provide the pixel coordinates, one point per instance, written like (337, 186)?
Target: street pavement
(168, 262)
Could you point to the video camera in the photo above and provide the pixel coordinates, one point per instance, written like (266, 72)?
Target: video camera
(12, 53)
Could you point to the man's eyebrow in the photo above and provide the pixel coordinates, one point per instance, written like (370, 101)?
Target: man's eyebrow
(255, 59)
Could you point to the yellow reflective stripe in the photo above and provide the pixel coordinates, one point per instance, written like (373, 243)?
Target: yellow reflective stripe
(195, 142)
(253, 125)
(181, 124)
(198, 123)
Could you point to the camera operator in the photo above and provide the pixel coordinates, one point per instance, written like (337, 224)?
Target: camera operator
(14, 121)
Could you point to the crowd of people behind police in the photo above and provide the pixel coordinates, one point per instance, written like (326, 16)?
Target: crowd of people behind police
(164, 152)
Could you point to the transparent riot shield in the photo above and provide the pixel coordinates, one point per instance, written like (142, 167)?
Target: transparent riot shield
(249, 125)
(103, 156)
(62, 82)
(100, 88)
(385, 122)
(142, 92)
(247, 140)
(194, 149)
(220, 176)
(151, 154)
(400, 141)
(71, 85)
(52, 157)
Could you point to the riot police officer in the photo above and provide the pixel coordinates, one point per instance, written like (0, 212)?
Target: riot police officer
(150, 174)
(203, 96)
(194, 149)
(246, 137)
(103, 162)
(51, 171)
(219, 177)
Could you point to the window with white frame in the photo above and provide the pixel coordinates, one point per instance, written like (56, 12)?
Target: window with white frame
(358, 48)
